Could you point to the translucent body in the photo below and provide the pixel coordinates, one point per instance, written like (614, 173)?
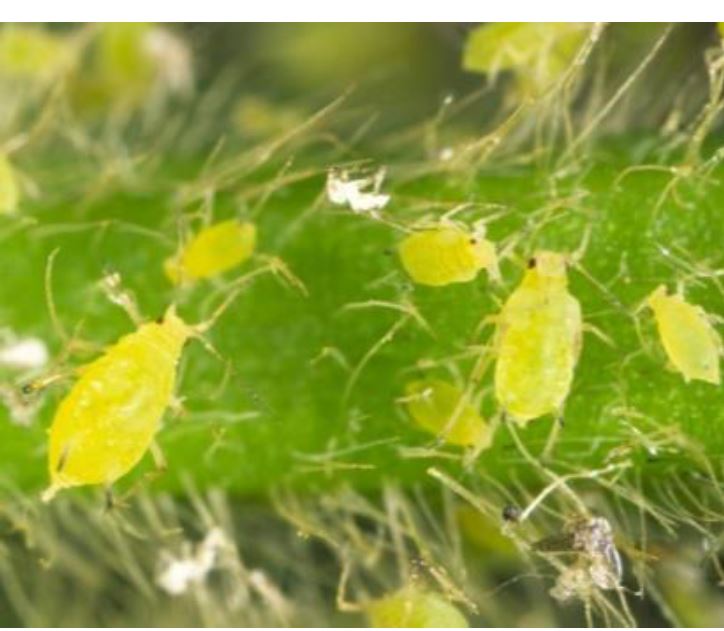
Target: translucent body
(32, 53)
(9, 190)
(432, 402)
(108, 420)
(692, 344)
(538, 342)
(539, 52)
(445, 255)
(414, 607)
(212, 251)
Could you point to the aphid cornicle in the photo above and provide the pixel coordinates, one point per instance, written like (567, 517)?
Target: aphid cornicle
(109, 419)
(432, 403)
(414, 607)
(214, 250)
(691, 343)
(447, 254)
(538, 341)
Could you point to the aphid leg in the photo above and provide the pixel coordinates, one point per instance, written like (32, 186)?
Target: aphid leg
(159, 460)
(556, 426)
(49, 493)
(590, 328)
(49, 299)
(176, 404)
(342, 603)
(39, 384)
(485, 441)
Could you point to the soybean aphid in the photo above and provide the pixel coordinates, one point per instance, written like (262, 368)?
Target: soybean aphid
(538, 341)
(446, 254)
(212, 251)
(414, 607)
(110, 417)
(433, 405)
(691, 343)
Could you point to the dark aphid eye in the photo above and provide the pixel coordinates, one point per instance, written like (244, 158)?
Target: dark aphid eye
(511, 513)
(532, 262)
(159, 319)
(473, 241)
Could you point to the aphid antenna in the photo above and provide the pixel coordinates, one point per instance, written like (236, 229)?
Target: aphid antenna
(50, 300)
(406, 306)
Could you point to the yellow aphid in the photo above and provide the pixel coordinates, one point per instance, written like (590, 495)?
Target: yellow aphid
(414, 607)
(538, 341)
(108, 420)
(445, 255)
(30, 52)
(692, 344)
(538, 52)
(9, 189)
(433, 403)
(212, 251)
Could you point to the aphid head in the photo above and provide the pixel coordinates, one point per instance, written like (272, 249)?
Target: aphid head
(654, 299)
(174, 326)
(548, 265)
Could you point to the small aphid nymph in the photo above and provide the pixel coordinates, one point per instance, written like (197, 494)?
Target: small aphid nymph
(433, 405)
(110, 417)
(414, 607)
(691, 342)
(538, 341)
(213, 251)
(445, 255)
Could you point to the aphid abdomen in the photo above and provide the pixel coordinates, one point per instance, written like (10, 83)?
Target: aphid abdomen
(413, 607)
(107, 421)
(433, 403)
(691, 343)
(537, 347)
(213, 251)
(440, 256)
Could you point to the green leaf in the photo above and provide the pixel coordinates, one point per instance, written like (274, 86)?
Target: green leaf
(289, 411)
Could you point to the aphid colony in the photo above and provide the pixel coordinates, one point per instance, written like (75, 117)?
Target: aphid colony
(538, 337)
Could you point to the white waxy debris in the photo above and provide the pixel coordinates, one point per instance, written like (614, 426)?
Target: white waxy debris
(598, 564)
(179, 574)
(362, 195)
(24, 354)
(173, 58)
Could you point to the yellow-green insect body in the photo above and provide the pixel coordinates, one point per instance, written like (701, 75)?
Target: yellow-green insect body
(414, 607)
(538, 341)
(109, 418)
(31, 53)
(691, 343)
(445, 255)
(9, 188)
(539, 53)
(432, 404)
(213, 251)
